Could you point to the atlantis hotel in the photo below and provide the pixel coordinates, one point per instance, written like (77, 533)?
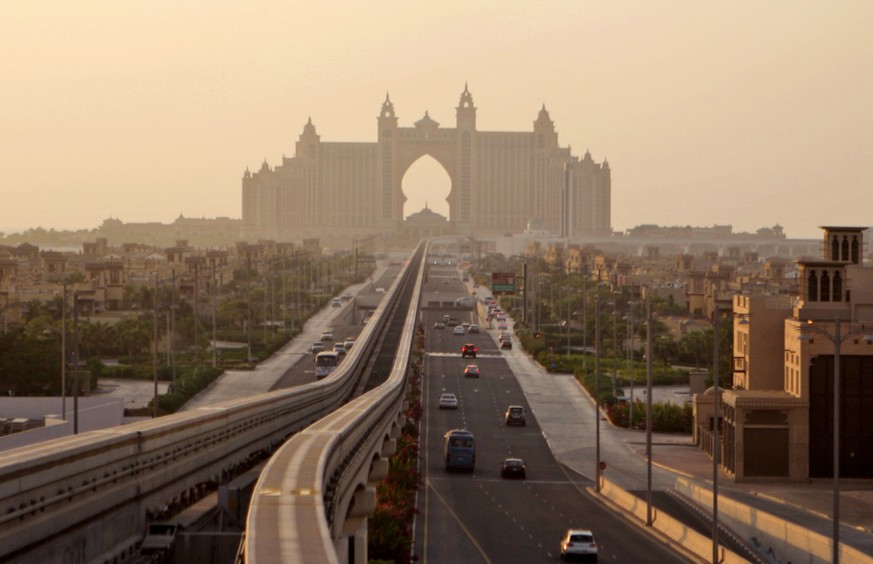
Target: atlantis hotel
(499, 182)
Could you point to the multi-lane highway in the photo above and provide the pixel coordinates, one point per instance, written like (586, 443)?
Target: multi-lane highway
(479, 516)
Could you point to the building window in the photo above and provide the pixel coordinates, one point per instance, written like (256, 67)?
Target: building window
(812, 287)
(855, 256)
(838, 287)
(825, 292)
(835, 249)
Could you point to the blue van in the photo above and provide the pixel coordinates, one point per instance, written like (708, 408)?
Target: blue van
(460, 450)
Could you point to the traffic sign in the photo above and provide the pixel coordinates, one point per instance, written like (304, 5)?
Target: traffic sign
(503, 283)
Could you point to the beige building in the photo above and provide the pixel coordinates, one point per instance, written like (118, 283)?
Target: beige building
(777, 419)
(499, 180)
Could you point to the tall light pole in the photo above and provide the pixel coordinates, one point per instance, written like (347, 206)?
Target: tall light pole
(64, 355)
(614, 364)
(75, 362)
(649, 354)
(155, 348)
(715, 437)
(597, 387)
(837, 339)
(630, 362)
(584, 323)
(214, 340)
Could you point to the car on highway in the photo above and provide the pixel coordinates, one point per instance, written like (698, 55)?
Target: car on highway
(506, 344)
(503, 336)
(439, 325)
(471, 371)
(336, 302)
(502, 327)
(340, 349)
(578, 542)
(448, 401)
(473, 329)
(513, 468)
(327, 335)
(348, 344)
(459, 330)
(469, 351)
(452, 322)
(515, 415)
(317, 347)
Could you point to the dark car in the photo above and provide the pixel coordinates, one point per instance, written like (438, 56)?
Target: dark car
(468, 351)
(513, 468)
(515, 415)
(505, 344)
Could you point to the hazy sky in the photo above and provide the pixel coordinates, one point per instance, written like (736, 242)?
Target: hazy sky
(746, 113)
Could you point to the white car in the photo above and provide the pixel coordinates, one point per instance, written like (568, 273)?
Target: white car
(327, 335)
(448, 401)
(578, 542)
(459, 330)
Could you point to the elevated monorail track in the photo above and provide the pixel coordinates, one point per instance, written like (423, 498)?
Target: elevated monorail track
(87, 498)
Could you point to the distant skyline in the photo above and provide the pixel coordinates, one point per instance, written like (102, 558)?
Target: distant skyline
(748, 114)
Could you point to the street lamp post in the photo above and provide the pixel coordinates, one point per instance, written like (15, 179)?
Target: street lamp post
(836, 339)
(597, 469)
(584, 324)
(715, 437)
(649, 355)
(630, 356)
(75, 362)
(155, 349)
(64, 355)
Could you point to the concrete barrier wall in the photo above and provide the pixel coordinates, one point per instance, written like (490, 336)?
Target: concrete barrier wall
(685, 539)
(789, 542)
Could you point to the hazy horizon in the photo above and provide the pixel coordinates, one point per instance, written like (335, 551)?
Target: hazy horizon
(745, 114)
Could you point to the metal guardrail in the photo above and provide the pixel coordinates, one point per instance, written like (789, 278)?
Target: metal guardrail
(86, 497)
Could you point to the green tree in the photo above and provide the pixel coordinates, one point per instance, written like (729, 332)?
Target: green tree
(133, 336)
(667, 350)
(698, 345)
